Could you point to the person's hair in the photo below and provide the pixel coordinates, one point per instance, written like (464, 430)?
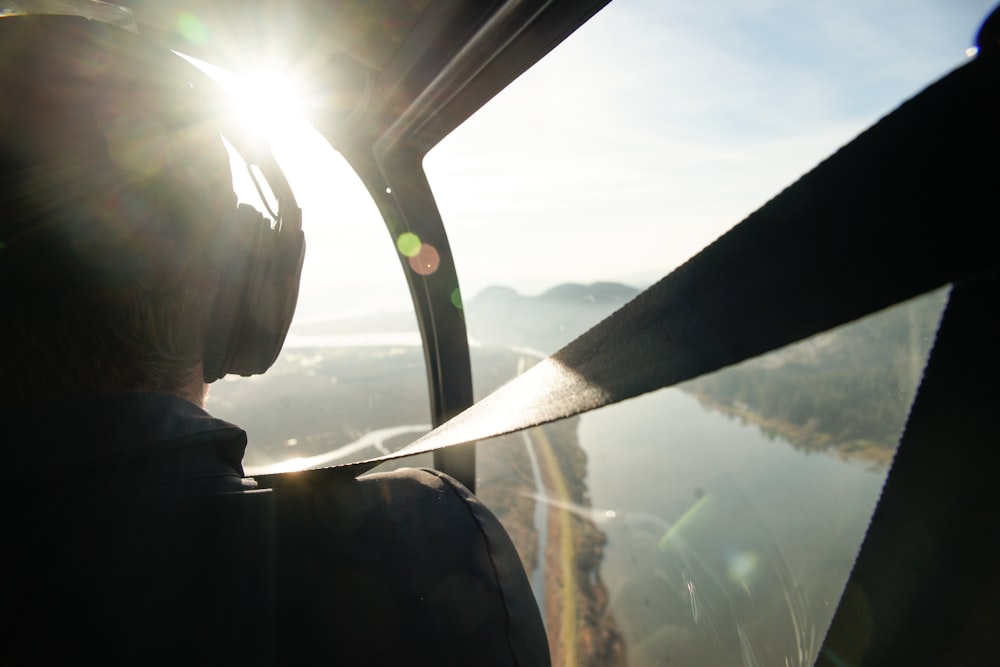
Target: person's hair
(125, 339)
(116, 183)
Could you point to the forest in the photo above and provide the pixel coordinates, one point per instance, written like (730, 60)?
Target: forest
(849, 388)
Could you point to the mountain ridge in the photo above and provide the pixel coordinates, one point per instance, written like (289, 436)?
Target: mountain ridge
(501, 316)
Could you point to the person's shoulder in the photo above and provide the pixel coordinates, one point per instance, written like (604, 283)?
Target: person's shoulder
(411, 502)
(418, 567)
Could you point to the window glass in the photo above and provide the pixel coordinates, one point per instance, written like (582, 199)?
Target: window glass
(350, 381)
(656, 127)
(714, 523)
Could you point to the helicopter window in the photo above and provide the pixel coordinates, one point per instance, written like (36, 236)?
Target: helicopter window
(652, 130)
(713, 523)
(716, 522)
(350, 381)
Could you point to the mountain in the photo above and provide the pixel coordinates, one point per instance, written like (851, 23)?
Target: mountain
(500, 316)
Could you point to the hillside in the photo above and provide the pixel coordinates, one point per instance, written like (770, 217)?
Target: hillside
(499, 316)
(848, 389)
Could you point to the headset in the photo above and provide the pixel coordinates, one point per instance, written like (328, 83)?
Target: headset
(258, 281)
(262, 262)
(259, 260)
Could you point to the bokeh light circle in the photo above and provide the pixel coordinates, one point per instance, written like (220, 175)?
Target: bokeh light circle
(191, 27)
(426, 261)
(408, 244)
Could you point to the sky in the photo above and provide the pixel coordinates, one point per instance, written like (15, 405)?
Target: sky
(647, 134)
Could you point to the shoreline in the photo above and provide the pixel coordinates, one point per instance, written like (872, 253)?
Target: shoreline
(805, 437)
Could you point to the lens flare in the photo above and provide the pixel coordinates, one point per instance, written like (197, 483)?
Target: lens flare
(426, 261)
(740, 565)
(456, 297)
(192, 28)
(138, 147)
(408, 244)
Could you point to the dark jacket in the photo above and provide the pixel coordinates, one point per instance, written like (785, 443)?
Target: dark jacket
(158, 442)
(131, 536)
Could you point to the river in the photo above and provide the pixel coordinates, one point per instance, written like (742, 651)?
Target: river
(724, 546)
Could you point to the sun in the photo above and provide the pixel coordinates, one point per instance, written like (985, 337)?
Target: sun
(266, 99)
(269, 104)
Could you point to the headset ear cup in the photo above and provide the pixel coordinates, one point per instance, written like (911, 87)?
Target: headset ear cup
(257, 293)
(237, 247)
